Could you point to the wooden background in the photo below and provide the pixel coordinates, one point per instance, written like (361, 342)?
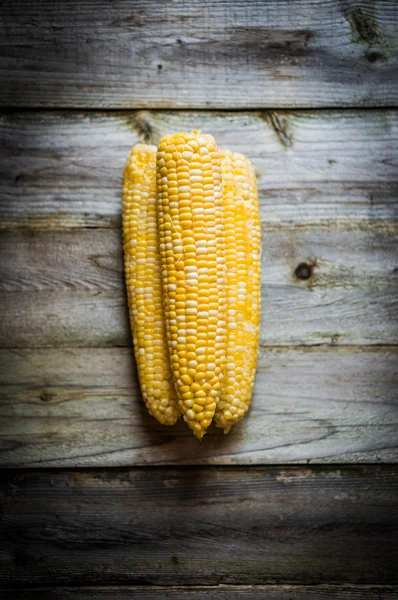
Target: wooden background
(300, 500)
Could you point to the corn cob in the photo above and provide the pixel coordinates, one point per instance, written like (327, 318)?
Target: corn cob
(192, 249)
(209, 249)
(143, 281)
(242, 238)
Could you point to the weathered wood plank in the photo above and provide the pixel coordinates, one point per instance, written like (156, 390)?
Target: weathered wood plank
(335, 169)
(83, 407)
(199, 53)
(219, 592)
(219, 526)
(66, 288)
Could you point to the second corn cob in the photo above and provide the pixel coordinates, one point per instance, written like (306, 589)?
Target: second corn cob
(192, 249)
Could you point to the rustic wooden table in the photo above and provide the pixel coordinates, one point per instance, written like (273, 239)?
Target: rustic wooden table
(300, 500)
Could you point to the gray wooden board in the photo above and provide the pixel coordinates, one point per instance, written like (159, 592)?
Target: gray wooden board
(336, 169)
(199, 53)
(66, 288)
(218, 526)
(82, 407)
(219, 592)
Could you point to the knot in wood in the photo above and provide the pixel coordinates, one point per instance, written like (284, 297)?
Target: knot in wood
(303, 271)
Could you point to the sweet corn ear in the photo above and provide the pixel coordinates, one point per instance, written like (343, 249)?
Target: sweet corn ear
(242, 240)
(192, 250)
(143, 282)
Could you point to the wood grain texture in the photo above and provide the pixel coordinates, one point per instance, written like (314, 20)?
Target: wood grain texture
(218, 526)
(66, 288)
(219, 592)
(82, 407)
(336, 169)
(199, 53)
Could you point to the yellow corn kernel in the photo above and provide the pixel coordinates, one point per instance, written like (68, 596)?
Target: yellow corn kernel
(242, 239)
(191, 236)
(143, 281)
